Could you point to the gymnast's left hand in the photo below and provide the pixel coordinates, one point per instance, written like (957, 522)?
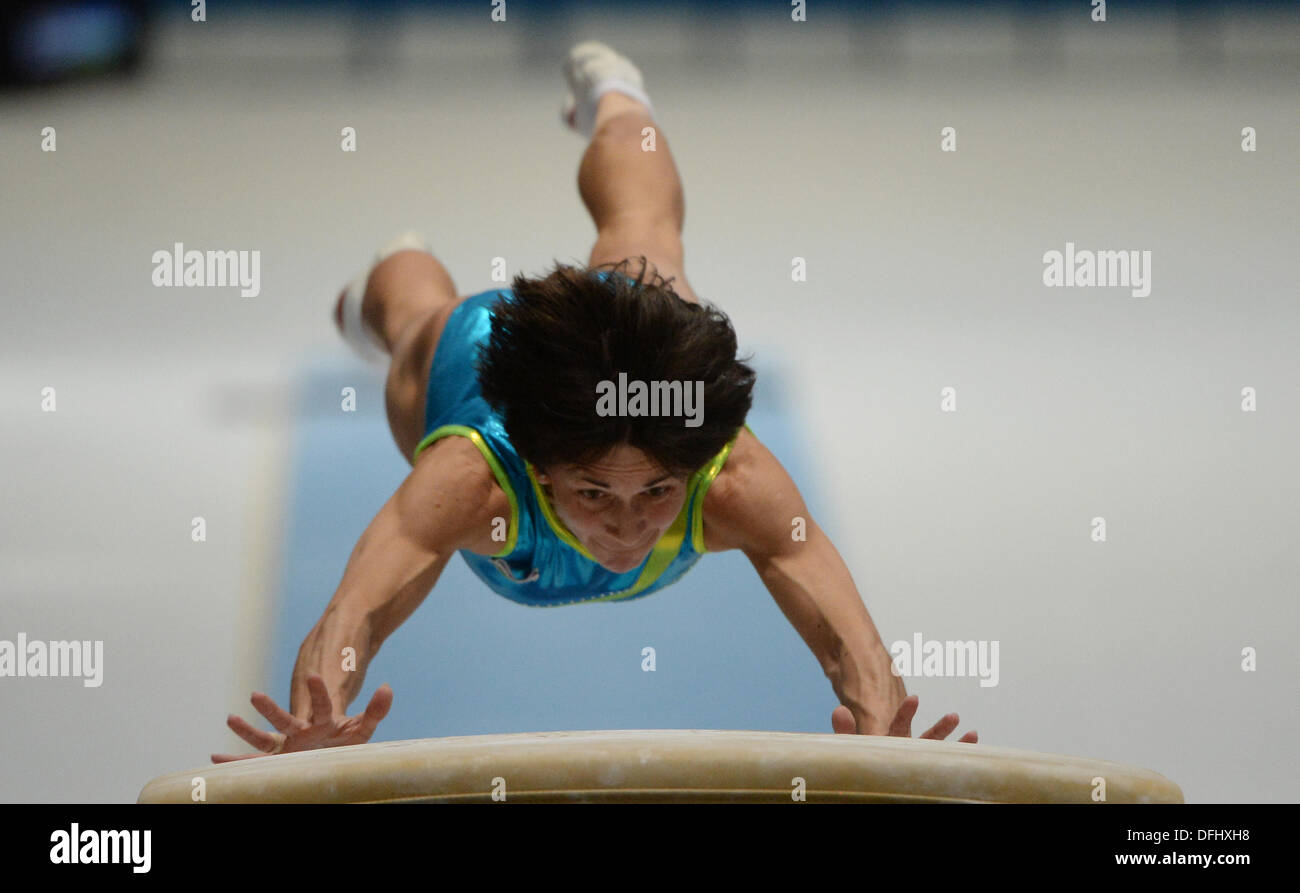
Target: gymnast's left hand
(842, 722)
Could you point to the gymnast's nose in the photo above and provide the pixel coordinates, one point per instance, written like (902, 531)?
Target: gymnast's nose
(626, 529)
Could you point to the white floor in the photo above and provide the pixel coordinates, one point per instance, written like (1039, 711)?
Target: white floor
(924, 273)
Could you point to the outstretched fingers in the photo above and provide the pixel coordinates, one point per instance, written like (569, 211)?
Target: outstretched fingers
(231, 757)
(842, 721)
(943, 728)
(322, 709)
(901, 727)
(376, 710)
(263, 741)
(282, 719)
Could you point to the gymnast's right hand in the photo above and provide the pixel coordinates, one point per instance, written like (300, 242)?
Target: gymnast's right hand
(324, 728)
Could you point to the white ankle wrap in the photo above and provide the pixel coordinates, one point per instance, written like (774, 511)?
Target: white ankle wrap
(593, 69)
(365, 342)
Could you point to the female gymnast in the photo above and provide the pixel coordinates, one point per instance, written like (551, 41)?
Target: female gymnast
(578, 437)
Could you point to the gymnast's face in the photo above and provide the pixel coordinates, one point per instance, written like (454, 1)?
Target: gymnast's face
(617, 507)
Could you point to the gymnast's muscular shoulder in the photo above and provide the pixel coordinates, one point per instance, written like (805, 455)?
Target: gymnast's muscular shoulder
(451, 498)
(752, 503)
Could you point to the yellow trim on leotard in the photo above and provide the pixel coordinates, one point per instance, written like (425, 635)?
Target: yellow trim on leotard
(708, 474)
(497, 471)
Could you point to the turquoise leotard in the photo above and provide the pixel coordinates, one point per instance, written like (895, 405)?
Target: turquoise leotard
(541, 562)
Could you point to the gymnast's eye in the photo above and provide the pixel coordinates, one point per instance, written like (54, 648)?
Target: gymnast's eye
(656, 492)
(591, 495)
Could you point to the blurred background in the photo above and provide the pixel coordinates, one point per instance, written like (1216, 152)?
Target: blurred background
(128, 127)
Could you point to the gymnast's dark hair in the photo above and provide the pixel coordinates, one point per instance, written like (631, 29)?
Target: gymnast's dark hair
(567, 331)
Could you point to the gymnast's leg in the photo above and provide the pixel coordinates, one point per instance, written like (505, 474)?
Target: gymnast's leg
(389, 315)
(634, 194)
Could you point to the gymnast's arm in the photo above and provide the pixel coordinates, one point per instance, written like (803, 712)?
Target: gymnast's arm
(754, 506)
(447, 502)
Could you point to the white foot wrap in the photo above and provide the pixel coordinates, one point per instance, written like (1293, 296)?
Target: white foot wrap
(592, 70)
(366, 343)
